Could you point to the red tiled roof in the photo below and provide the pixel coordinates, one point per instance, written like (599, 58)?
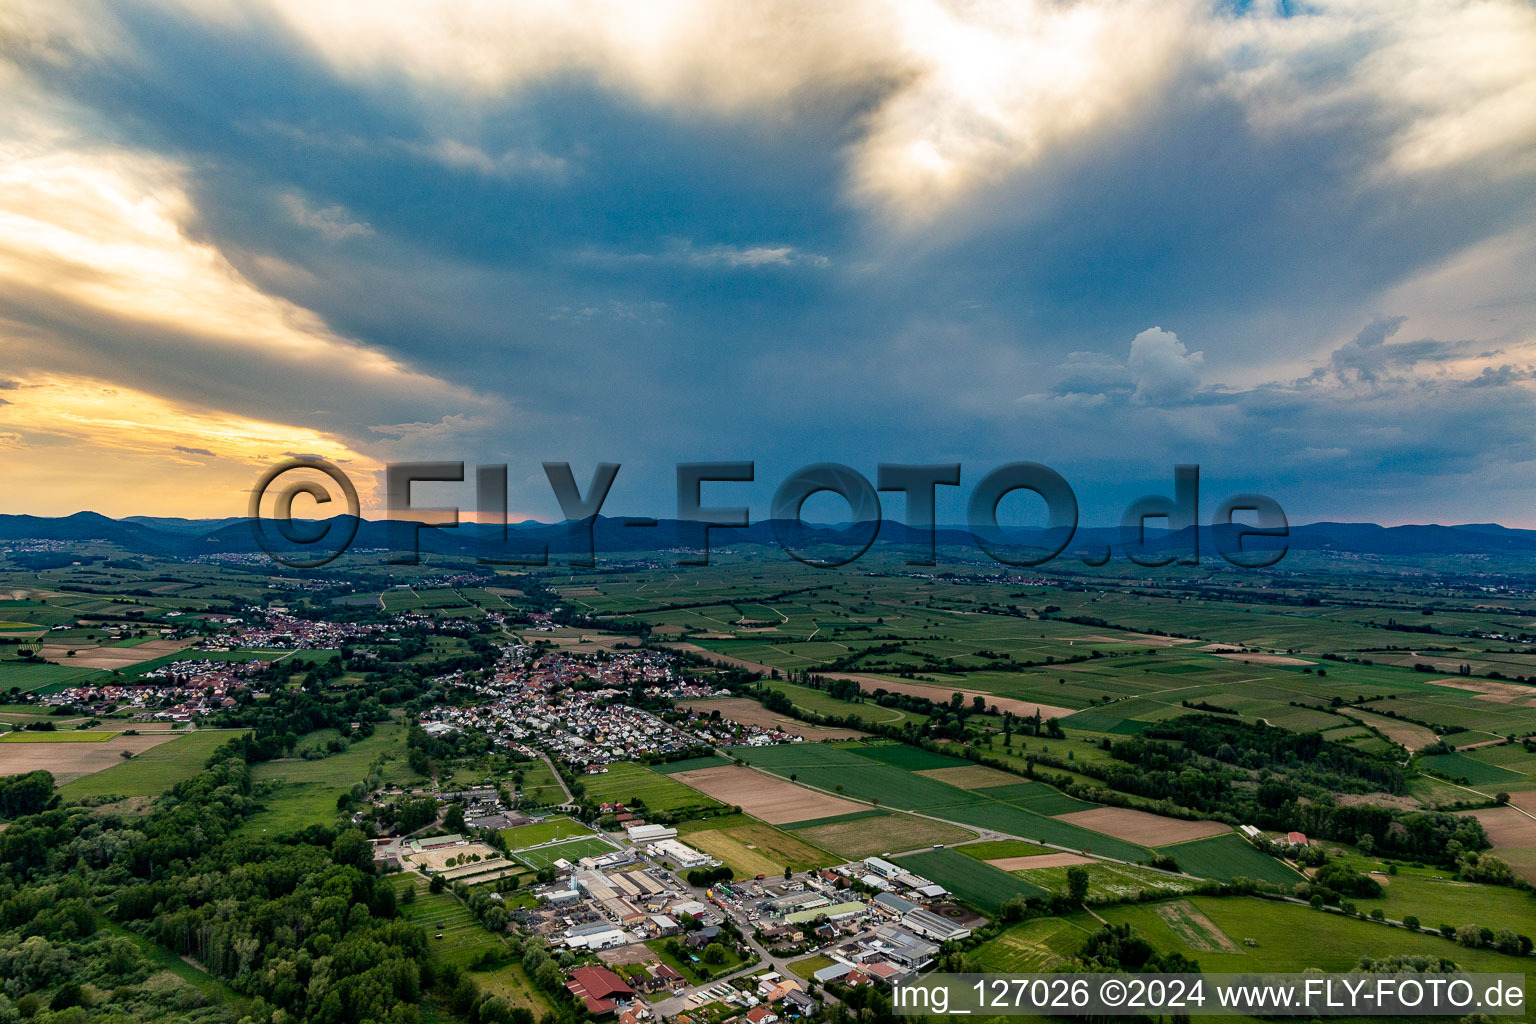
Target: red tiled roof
(596, 986)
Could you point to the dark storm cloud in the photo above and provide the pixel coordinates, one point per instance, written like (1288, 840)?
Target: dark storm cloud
(599, 269)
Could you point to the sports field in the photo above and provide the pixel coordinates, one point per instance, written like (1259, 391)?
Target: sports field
(543, 832)
(571, 850)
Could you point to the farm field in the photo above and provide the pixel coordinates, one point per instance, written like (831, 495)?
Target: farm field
(752, 847)
(1108, 883)
(307, 790)
(1470, 770)
(110, 657)
(868, 773)
(867, 834)
(974, 881)
(691, 764)
(764, 796)
(1143, 828)
(626, 783)
(750, 712)
(1035, 946)
(1436, 899)
(163, 761)
(41, 677)
(1287, 937)
(1512, 831)
(1000, 849)
(1229, 856)
(70, 736)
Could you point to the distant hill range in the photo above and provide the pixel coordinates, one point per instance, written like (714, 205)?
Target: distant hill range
(191, 537)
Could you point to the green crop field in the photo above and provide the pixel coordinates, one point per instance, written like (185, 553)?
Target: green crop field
(691, 764)
(41, 677)
(1460, 767)
(1037, 797)
(848, 770)
(152, 771)
(976, 882)
(627, 783)
(1229, 856)
(909, 758)
(997, 849)
(70, 736)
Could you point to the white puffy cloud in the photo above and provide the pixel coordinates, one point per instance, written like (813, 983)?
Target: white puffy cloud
(1162, 368)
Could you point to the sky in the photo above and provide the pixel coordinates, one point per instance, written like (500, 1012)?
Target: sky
(1294, 244)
